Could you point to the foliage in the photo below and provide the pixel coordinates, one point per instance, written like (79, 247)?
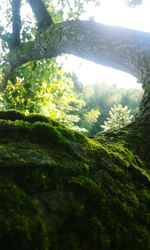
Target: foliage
(69, 10)
(43, 87)
(88, 117)
(103, 96)
(119, 116)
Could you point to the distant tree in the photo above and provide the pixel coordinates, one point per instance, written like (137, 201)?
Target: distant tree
(103, 96)
(88, 118)
(119, 116)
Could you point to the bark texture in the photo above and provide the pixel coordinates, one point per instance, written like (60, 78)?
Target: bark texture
(41, 13)
(116, 47)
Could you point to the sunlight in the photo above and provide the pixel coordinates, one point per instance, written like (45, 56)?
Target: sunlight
(114, 12)
(90, 73)
(118, 13)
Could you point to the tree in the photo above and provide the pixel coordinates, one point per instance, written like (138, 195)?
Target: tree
(119, 117)
(103, 96)
(88, 117)
(58, 188)
(120, 48)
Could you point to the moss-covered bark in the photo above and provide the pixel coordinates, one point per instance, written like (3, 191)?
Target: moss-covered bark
(62, 190)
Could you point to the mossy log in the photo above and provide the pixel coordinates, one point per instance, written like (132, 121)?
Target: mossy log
(60, 190)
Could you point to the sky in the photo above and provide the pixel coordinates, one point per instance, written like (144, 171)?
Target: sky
(113, 12)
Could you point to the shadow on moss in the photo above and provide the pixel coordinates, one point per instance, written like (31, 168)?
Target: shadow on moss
(22, 224)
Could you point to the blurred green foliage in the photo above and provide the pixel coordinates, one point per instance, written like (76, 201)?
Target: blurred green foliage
(43, 87)
(102, 96)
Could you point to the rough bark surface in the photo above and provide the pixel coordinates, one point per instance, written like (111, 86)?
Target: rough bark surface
(41, 13)
(116, 47)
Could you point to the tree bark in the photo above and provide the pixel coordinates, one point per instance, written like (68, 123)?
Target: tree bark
(62, 190)
(116, 47)
(144, 111)
(42, 16)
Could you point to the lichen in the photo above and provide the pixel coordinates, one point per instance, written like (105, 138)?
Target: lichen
(62, 190)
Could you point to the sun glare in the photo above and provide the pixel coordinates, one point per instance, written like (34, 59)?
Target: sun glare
(114, 12)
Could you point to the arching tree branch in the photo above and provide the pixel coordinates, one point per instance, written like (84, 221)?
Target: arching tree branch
(116, 47)
(13, 39)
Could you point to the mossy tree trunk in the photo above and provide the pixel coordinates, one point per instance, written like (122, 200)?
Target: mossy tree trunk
(62, 190)
(144, 111)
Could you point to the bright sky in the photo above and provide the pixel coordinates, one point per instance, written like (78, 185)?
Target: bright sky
(113, 12)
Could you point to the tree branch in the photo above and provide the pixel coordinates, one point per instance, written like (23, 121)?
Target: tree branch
(7, 72)
(13, 39)
(42, 16)
(16, 24)
(116, 47)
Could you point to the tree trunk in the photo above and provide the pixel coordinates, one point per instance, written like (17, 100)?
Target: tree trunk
(144, 111)
(62, 190)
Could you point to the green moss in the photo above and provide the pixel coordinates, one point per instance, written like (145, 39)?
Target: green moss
(22, 224)
(38, 128)
(14, 115)
(62, 190)
(135, 137)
